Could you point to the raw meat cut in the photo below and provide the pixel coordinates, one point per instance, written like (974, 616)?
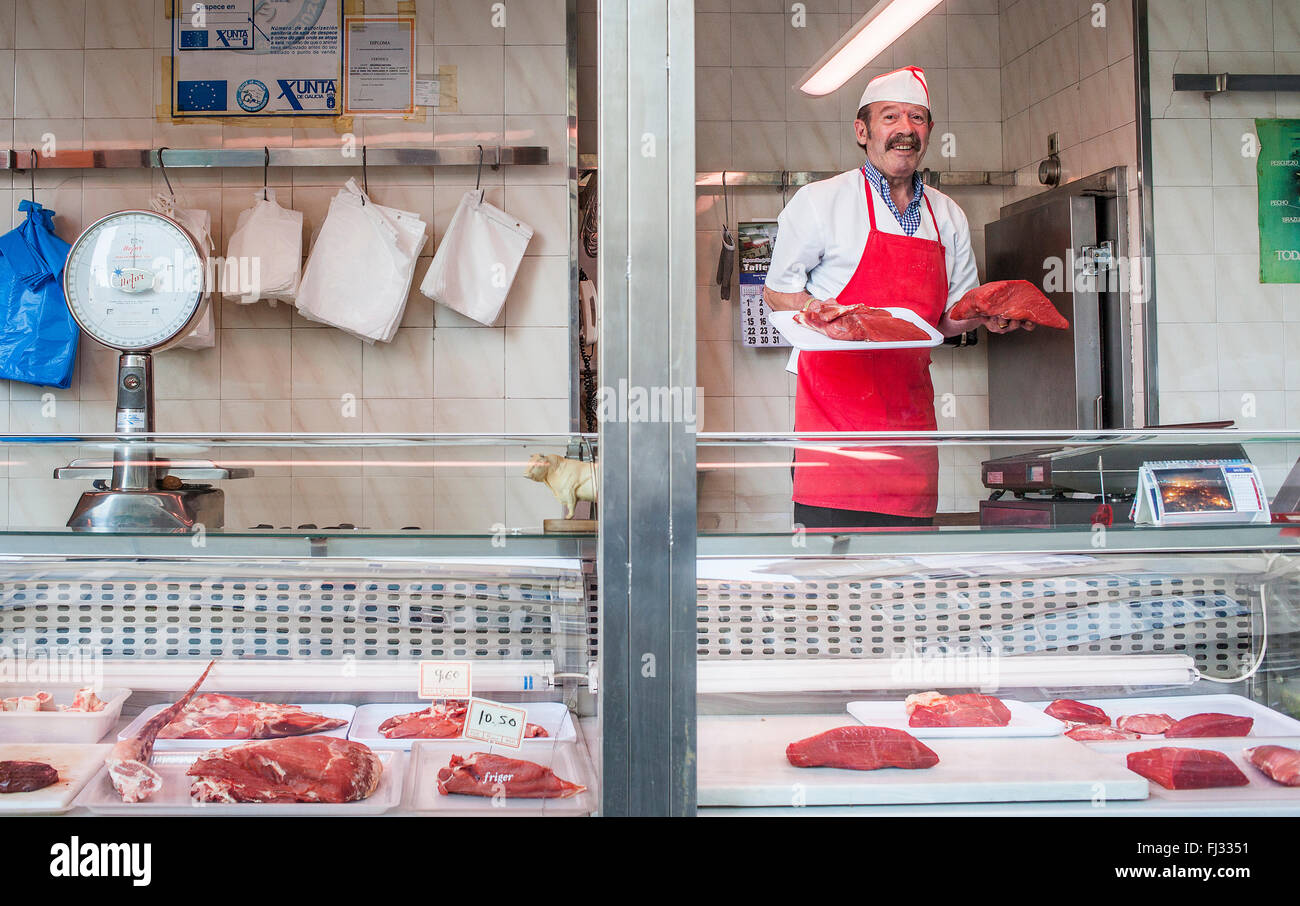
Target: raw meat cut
(482, 774)
(1073, 712)
(1146, 724)
(1278, 762)
(26, 776)
(930, 709)
(1186, 769)
(861, 749)
(128, 762)
(212, 716)
(857, 323)
(1211, 724)
(441, 720)
(297, 769)
(1099, 733)
(1015, 300)
(85, 700)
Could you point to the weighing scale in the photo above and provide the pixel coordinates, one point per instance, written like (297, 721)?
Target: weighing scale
(134, 281)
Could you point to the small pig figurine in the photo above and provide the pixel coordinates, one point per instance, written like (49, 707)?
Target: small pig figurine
(570, 480)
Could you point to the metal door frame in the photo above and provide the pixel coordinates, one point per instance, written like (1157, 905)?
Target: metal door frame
(646, 274)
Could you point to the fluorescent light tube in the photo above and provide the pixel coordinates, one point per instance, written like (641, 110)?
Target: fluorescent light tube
(865, 41)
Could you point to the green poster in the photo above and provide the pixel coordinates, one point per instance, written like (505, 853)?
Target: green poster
(1278, 169)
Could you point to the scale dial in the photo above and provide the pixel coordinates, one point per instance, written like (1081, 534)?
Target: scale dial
(134, 281)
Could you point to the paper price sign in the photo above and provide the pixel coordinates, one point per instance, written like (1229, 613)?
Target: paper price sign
(444, 679)
(490, 722)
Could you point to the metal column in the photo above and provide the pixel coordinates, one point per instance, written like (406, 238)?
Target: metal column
(647, 346)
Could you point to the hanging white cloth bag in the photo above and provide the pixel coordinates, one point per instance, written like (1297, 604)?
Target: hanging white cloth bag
(198, 222)
(264, 255)
(476, 263)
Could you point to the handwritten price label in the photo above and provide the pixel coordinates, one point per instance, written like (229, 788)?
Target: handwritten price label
(444, 679)
(491, 722)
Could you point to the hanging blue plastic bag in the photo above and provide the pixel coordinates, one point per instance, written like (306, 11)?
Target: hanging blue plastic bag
(38, 336)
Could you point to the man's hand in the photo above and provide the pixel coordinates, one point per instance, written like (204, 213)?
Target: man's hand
(996, 324)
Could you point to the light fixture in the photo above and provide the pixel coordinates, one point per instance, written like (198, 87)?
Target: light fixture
(879, 28)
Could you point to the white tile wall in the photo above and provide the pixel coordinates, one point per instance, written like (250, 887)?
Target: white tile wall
(1226, 349)
(90, 72)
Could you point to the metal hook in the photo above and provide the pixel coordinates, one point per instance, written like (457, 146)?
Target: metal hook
(726, 204)
(163, 167)
(478, 177)
(365, 176)
(266, 165)
(36, 162)
(785, 176)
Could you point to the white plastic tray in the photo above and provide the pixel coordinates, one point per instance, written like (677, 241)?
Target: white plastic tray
(174, 797)
(1026, 720)
(1267, 721)
(551, 716)
(429, 757)
(1260, 787)
(809, 340)
(76, 764)
(742, 762)
(342, 712)
(60, 726)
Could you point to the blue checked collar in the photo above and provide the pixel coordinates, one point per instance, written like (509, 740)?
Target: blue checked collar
(910, 220)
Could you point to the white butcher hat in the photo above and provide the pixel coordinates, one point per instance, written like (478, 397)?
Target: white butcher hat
(904, 86)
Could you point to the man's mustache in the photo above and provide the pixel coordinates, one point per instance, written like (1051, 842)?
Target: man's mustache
(897, 141)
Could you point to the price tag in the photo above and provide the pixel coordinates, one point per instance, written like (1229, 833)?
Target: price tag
(444, 679)
(491, 722)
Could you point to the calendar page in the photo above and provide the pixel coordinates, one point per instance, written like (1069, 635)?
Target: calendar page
(755, 240)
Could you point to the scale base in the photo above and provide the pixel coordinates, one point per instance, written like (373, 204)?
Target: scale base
(177, 512)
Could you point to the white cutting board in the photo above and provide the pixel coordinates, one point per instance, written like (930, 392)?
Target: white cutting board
(1026, 720)
(1267, 721)
(1261, 787)
(553, 717)
(174, 797)
(809, 340)
(742, 762)
(75, 762)
(341, 712)
(428, 757)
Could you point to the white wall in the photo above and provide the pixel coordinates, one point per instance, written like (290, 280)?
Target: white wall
(90, 72)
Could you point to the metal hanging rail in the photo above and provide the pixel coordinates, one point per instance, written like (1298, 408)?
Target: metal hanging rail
(1215, 82)
(114, 159)
(792, 179)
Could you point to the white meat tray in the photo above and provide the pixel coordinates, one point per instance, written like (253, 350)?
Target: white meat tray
(742, 763)
(76, 764)
(1267, 721)
(60, 726)
(1026, 720)
(342, 712)
(551, 716)
(809, 340)
(174, 797)
(430, 756)
(1260, 788)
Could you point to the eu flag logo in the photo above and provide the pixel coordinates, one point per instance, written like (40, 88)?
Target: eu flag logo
(202, 94)
(194, 39)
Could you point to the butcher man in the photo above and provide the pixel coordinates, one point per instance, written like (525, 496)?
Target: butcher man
(875, 235)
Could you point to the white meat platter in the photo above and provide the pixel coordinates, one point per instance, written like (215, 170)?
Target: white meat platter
(431, 756)
(808, 340)
(1267, 721)
(1260, 787)
(76, 764)
(1026, 720)
(174, 797)
(60, 726)
(342, 712)
(742, 762)
(553, 717)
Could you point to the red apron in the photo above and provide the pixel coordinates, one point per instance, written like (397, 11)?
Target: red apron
(876, 391)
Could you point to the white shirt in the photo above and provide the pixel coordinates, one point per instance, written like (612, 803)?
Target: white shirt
(822, 233)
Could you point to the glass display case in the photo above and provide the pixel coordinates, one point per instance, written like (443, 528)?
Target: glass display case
(1000, 660)
(329, 570)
